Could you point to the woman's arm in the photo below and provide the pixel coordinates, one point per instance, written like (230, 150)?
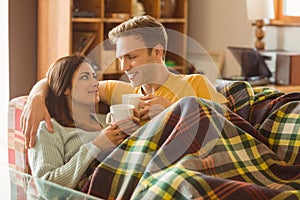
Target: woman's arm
(61, 157)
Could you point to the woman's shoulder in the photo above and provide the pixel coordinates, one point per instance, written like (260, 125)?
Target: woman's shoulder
(58, 129)
(55, 124)
(60, 133)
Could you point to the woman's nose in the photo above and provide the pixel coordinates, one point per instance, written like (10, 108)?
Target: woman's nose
(95, 83)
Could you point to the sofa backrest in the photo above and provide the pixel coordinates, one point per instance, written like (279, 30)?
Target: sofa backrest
(17, 154)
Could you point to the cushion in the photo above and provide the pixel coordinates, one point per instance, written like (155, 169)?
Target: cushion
(17, 154)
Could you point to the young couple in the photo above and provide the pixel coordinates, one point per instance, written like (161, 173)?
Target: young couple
(70, 92)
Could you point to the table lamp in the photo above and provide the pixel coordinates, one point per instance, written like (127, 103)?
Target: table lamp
(259, 11)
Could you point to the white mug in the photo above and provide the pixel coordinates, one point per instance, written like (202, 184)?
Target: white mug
(132, 99)
(119, 112)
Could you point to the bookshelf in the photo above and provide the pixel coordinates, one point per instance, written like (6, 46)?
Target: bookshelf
(80, 26)
(82, 40)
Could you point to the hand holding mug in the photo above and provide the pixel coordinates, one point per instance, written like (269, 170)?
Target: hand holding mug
(151, 106)
(133, 99)
(119, 112)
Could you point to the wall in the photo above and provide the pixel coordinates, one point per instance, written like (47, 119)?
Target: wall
(217, 24)
(22, 46)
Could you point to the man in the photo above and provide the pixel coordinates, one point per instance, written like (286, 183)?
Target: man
(141, 44)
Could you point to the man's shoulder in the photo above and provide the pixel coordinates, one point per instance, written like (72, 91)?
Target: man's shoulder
(115, 82)
(190, 77)
(195, 76)
(112, 84)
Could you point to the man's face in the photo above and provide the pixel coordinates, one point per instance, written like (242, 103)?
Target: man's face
(135, 60)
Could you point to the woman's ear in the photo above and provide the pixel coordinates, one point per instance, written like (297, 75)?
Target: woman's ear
(67, 92)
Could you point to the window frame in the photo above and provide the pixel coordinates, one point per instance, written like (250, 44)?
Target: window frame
(280, 18)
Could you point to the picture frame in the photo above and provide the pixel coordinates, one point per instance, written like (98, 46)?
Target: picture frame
(82, 40)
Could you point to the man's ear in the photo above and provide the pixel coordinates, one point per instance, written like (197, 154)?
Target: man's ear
(158, 51)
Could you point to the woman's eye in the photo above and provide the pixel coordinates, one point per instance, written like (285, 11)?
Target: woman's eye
(85, 77)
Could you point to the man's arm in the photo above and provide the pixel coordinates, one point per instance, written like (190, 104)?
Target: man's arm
(111, 91)
(34, 112)
(102, 91)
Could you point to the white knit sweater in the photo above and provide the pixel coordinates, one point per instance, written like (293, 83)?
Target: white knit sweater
(62, 157)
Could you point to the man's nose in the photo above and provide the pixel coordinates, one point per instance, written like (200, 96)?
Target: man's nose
(125, 65)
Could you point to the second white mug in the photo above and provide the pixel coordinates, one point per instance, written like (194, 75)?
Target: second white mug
(119, 112)
(133, 99)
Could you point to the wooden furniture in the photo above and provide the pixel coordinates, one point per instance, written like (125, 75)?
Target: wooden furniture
(69, 26)
(285, 88)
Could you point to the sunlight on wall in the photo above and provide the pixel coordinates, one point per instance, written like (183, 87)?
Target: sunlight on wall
(4, 88)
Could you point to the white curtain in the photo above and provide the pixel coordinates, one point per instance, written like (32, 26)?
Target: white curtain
(4, 89)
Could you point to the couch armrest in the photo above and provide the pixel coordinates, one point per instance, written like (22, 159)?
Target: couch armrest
(17, 154)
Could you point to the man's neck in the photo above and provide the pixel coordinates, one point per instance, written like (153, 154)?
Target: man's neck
(150, 88)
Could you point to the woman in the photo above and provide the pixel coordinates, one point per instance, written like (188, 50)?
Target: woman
(64, 155)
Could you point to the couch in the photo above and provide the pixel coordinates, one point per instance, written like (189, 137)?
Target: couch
(256, 157)
(17, 154)
(23, 185)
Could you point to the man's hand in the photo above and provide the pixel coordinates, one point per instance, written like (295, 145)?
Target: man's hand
(129, 125)
(34, 112)
(151, 105)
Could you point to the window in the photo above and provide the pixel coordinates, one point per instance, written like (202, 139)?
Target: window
(287, 12)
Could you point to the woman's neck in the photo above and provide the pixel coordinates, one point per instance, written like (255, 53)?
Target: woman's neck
(83, 119)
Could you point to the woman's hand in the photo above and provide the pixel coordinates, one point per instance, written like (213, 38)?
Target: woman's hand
(110, 137)
(116, 133)
(130, 125)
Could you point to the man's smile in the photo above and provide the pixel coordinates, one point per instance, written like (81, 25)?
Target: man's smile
(131, 75)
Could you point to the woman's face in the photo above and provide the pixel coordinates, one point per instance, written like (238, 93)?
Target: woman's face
(84, 86)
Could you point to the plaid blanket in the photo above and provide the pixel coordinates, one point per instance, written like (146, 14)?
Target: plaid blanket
(198, 149)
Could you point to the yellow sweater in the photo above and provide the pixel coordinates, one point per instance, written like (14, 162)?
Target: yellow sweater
(176, 87)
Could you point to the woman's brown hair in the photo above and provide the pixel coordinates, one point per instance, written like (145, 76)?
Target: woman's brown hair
(59, 78)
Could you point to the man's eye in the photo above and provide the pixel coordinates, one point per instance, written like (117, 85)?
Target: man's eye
(131, 57)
